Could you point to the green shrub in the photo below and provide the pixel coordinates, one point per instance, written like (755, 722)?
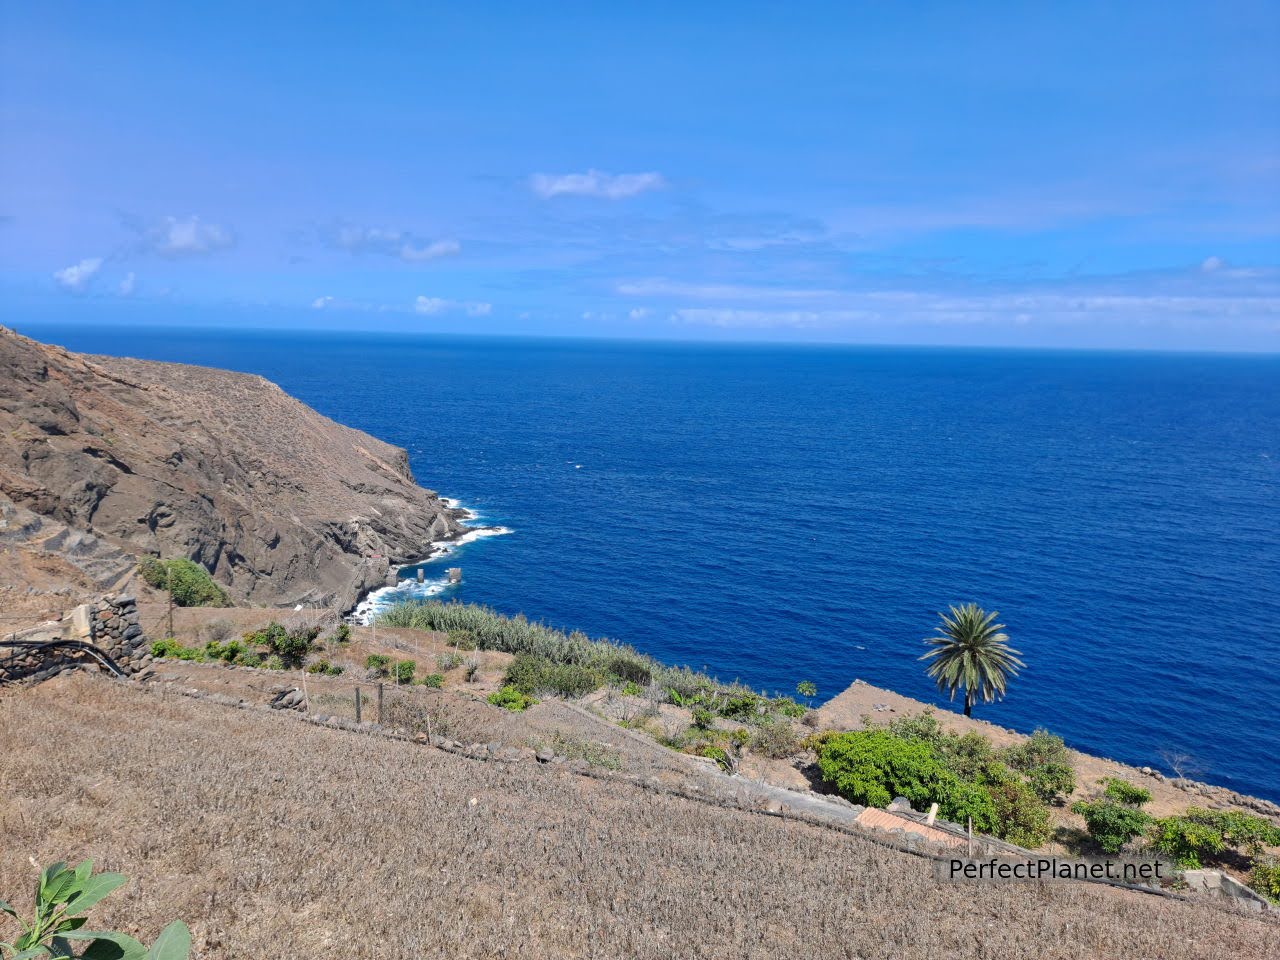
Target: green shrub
(289, 646)
(343, 633)
(432, 680)
(63, 896)
(1021, 816)
(491, 631)
(377, 662)
(171, 649)
(402, 671)
(226, 652)
(1201, 833)
(509, 698)
(632, 689)
(718, 754)
(325, 668)
(272, 662)
(462, 639)
(249, 659)
(871, 767)
(532, 674)
(1265, 878)
(1045, 761)
(188, 582)
(1111, 823)
(1122, 791)
(703, 719)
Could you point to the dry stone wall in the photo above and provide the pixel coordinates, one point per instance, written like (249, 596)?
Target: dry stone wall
(111, 625)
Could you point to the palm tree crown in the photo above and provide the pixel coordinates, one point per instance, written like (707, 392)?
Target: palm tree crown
(970, 651)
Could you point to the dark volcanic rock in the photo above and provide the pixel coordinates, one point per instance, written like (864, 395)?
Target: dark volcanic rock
(279, 503)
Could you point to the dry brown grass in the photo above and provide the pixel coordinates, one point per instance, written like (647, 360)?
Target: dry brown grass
(274, 838)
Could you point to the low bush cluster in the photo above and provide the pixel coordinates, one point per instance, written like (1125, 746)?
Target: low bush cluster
(1199, 834)
(538, 675)
(377, 663)
(289, 646)
(230, 652)
(431, 680)
(1265, 878)
(402, 671)
(509, 698)
(1004, 791)
(324, 668)
(187, 581)
(616, 663)
(1117, 817)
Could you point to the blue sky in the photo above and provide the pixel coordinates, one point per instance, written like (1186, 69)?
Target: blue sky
(1068, 174)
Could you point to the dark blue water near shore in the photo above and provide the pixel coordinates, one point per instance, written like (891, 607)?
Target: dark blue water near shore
(781, 514)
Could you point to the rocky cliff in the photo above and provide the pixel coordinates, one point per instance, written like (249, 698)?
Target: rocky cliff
(103, 458)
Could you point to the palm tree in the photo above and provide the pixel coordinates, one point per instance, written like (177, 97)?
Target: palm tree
(970, 651)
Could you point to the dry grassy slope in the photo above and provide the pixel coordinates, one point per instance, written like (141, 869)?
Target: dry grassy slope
(276, 838)
(282, 504)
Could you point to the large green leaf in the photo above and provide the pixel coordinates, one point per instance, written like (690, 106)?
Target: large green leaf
(95, 888)
(174, 943)
(33, 952)
(108, 945)
(8, 909)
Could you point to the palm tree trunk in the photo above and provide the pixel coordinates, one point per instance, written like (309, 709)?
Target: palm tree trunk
(968, 703)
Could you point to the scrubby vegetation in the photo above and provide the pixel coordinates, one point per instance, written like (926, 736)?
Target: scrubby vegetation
(402, 671)
(1197, 835)
(1115, 818)
(597, 661)
(538, 675)
(187, 581)
(283, 649)
(378, 663)
(63, 896)
(1265, 878)
(509, 698)
(964, 774)
(324, 668)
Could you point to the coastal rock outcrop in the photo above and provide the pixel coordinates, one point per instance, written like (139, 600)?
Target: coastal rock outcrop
(281, 504)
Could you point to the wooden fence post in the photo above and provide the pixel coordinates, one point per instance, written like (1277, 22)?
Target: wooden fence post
(357, 704)
(380, 713)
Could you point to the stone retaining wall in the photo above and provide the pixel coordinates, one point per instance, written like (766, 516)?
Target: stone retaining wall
(111, 625)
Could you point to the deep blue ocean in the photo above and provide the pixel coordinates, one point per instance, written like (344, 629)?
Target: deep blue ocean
(777, 514)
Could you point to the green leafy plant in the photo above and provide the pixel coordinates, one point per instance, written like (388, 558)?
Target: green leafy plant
(448, 661)
(632, 689)
(807, 689)
(1265, 878)
(1199, 833)
(1021, 816)
(378, 663)
(1111, 821)
(1123, 791)
(343, 633)
(187, 581)
(63, 896)
(871, 767)
(325, 668)
(1044, 760)
(776, 740)
(703, 719)
(432, 680)
(402, 671)
(970, 651)
(509, 698)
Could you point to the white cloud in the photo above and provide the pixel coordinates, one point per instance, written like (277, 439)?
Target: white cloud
(191, 236)
(319, 303)
(388, 243)
(77, 276)
(128, 284)
(430, 305)
(637, 313)
(716, 291)
(1211, 264)
(594, 183)
(414, 253)
(434, 305)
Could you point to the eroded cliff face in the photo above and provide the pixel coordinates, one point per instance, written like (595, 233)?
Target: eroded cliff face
(281, 504)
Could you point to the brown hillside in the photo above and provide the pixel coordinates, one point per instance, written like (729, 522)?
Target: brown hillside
(282, 504)
(276, 838)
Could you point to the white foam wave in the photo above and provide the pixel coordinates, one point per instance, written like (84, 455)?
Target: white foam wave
(411, 589)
